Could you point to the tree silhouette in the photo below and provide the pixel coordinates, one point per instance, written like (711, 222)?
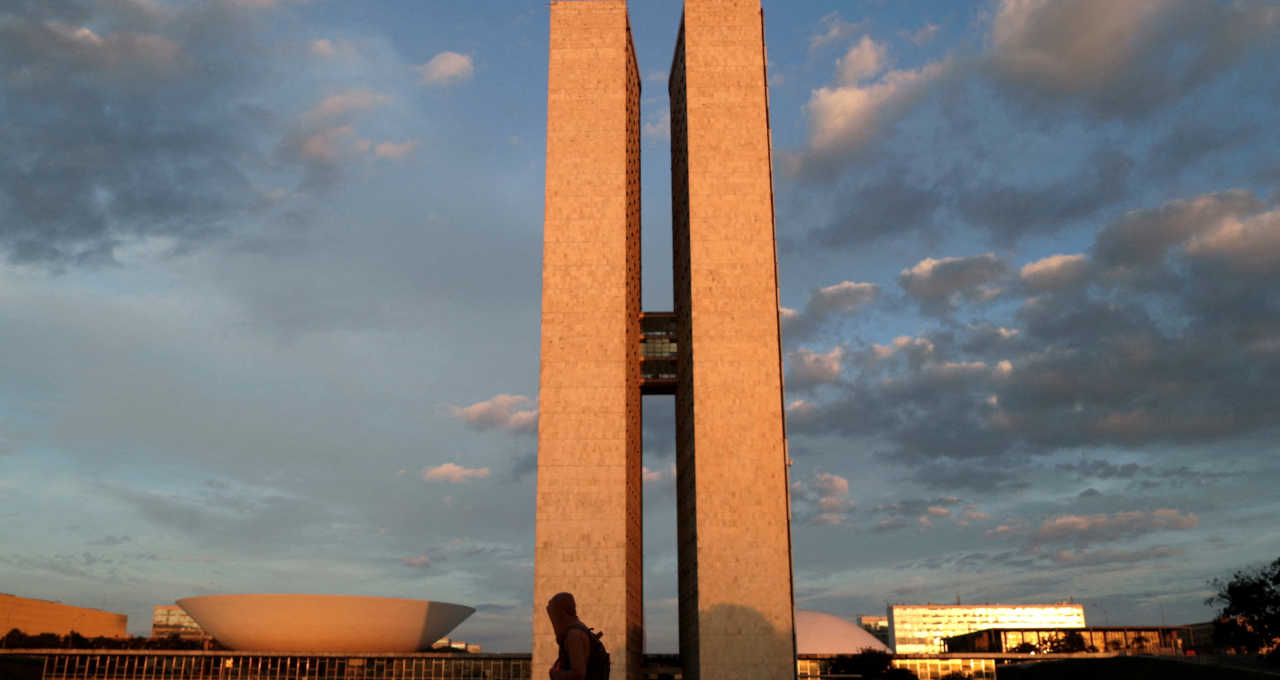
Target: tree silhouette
(1250, 615)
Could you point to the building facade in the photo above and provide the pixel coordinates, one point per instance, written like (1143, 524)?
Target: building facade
(171, 619)
(717, 353)
(923, 629)
(1157, 640)
(34, 617)
(877, 626)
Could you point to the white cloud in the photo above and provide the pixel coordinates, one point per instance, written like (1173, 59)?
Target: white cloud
(845, 117)
(1116, 55)
(842, 298)
(650, 476)
(834, 30)
(866, 59)
(938, 284)
(1071, 44)
(658, 125)
(343, 103)
(1055, 272)
(446, 68)
(325, 145)
(454, 473)
(924, 34)
(810, 368)
(829, 495)
(395, 151)
(1250, 245)
(1084, 528)
(502, 412)
(325, 48)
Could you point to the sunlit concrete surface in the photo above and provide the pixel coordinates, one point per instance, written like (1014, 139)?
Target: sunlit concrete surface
(34, 617)
(823, 633)
(324, 623)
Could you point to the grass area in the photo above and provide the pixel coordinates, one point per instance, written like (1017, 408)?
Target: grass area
(1126, 668)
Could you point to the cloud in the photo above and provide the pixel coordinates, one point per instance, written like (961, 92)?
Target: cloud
(446, 68)
(834, 301)
(1055, 272)
(454, 473)
(502, 412)
(865, 59)
(1248, 246)
(925, 34)
(834, 29)
(416, 561)
(1114, 56)
(844, 118)
(394, 150)
(650, 476)
(657, 126)
(1142, 238)
(1093, 558)
(322, 47)
(1011, 211)
(882, 206)
(809, 368)
(1084, 529)
(342, 104)
(940, 284)
(823, 499)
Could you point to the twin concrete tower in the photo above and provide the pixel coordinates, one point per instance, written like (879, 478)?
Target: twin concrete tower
(718, 352)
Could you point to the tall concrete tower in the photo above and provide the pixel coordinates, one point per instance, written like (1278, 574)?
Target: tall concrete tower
(589, 475)
(736, 608)
(718, 353)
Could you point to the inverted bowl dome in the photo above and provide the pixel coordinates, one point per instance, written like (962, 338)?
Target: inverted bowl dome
(324, 623)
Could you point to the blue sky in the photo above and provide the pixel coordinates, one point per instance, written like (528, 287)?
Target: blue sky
(269, 300)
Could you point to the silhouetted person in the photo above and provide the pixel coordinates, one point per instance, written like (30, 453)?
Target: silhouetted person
(582, 655)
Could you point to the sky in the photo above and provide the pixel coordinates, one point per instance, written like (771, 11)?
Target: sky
(269, 300)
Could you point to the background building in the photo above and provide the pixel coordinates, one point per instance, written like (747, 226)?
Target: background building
(878, 626)
(922, 629)
(34, 617)
(170, 619)
(1162, 640)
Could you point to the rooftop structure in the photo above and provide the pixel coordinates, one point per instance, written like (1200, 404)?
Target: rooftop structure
(921, 629)
(34, 617)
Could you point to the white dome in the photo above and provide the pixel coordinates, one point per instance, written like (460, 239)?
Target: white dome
(823, 633)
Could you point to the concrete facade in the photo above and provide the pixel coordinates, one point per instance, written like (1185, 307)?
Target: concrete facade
(736, 608)
(923, 629)
(34, 617)
(589, 475)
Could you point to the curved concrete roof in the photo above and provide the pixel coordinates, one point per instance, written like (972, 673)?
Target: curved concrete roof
(324, 623)
(823, 633)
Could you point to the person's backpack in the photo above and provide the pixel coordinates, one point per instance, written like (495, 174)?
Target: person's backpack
(598, 662)
(598, 658)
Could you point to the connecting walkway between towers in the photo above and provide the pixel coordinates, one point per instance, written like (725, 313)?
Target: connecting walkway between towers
(658, 362)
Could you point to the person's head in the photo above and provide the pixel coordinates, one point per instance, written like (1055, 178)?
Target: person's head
(563, 611)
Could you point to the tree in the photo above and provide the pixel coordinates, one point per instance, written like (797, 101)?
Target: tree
(1250, 613)
(868, 663)
(1070, 643)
